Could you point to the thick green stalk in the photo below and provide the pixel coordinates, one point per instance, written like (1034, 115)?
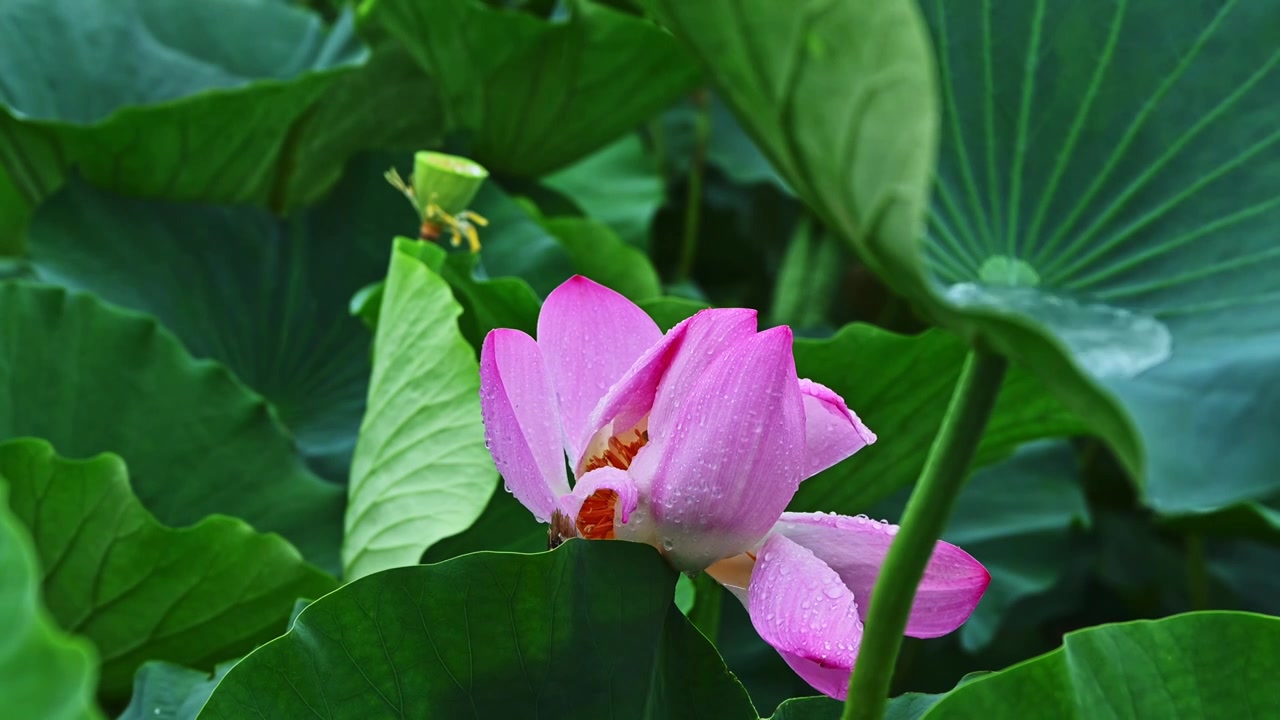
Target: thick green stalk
(926, 515)
(693, 202)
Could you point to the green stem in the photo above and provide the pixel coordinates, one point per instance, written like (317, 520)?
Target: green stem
(658, 139)
(707, 599)
(945, 472)
(693, 201)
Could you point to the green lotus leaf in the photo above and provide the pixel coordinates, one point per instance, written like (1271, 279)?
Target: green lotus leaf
(138, 589)
(590, 629)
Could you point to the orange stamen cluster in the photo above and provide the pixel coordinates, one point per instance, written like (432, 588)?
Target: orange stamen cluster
(617, 454)
(595, 519)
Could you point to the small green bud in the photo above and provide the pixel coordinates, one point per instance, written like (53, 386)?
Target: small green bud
(450, 181)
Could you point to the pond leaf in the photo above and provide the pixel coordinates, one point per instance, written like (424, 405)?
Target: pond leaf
(839, 97)
(1087, 215)
(184, 101)
(44, 673)
(421, 470)
(1130, 202)
(140, 590)
(164, 691)
(602, 256)
(619, 186)
(264, 296)
(1207, 664)
(589, 630)
(91, 378)
(612, 70)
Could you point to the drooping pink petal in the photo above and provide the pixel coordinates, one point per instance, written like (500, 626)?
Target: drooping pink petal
(722, 470)
(675, 364)
(589, 336)
(521, 425)
(832, 431)
(855, 548)
(800, 606)
(605, 478)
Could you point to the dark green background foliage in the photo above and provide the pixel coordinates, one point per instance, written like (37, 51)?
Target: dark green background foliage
(242, 468)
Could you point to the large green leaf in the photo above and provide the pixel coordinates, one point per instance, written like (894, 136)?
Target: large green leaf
(899, 386)
(538, 94)
(600, 255)
(589, 630)
(185, 101)
(1138, 197)
(163, 691)
(1105, 224)
(91, 378)
(292, 341)
(503, 525)
(618, 186)
(839, 96)
(1198, 665)
(517, 245)
(266, 297)
(140, 590)
(488, 302)
(44, 673)
(422, 469)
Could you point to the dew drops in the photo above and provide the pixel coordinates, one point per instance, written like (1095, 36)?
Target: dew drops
(835, 592)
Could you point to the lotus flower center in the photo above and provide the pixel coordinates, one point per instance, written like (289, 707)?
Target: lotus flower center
(594, 522)
(618, 452)
(595, 519)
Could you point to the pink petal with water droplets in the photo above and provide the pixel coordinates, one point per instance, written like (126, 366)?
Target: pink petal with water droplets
(708, 335)
(832, 431)
(521, 426)
(673, 364)
(722, 470)
(589, 336)
(855, 547)
(801, 608)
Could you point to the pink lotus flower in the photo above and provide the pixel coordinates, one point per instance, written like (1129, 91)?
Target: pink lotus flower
(695, 442)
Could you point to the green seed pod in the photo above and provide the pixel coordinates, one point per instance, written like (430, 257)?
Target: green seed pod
(447, 180)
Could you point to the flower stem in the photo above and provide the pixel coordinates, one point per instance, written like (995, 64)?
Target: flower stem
(693, 201)
(945, 472)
